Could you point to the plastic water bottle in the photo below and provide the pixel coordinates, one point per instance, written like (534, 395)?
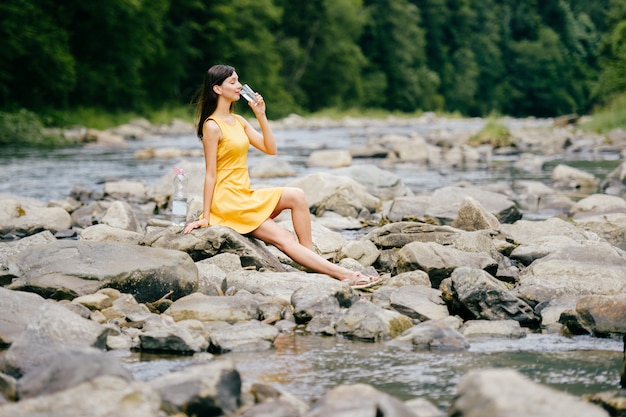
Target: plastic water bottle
(179, 198)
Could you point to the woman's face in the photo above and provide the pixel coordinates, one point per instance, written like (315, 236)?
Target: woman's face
(230, 88)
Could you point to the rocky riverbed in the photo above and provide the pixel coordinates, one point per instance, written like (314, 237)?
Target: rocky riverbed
(103, 270)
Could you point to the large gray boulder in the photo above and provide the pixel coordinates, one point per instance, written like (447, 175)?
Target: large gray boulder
(209, 241)
(53, 328)
(379, 182)
(593, 269)
(18, 308)
(446, 201)
(506, 392)
(482, 296)
(67, 269)
(201, 389)
(340, 194)
(102, 397)
(25, 216)
(440, 261)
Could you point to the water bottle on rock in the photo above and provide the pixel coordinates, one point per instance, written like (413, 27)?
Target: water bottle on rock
(179, 198)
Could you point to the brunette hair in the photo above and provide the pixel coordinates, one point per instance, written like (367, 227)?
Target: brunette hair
(207, 98)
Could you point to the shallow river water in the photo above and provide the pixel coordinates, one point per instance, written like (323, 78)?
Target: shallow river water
(306, 365)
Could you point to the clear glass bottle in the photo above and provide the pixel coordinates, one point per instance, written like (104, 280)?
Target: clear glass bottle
(179, 198)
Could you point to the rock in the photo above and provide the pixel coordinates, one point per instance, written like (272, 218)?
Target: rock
(368, 322)
(53, 328)
(535, 196)
(363, 251)
(594, 269)
(329, 158)
(446, 201)
(18, 308)
(597, 204)
(615, 181)
(551, 311)
(440, 261)
(609, 226)
(243, 337)
(358, 400)
(496, 393)
(612, 401)
(492, 328)
(414, 149)
(408, 278)
(89, 214)
(424, 408)
(419, 303)
(343, 195)
(473, 216)
(8, 249)
(121, 216)
(431, 335)
(97, 301)
(272, 167)
(411, 208)
(67, 269)
(280, 285)
(102, 397)
(131, 191)
(566, 177)
(316, 300)
(379, 182)
(24, 217)
(478, 295)
(397, 235)
(241, 307)
(209, 241)
(106, 233)
(66, 369)
(8, 389)
(163, 337)
(202, 389)
(602, 315)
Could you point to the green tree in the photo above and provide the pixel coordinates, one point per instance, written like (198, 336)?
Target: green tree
(322, 62)
(394, 44)
(612, 80)
(112, 43)
(174, 74)
(37, 68)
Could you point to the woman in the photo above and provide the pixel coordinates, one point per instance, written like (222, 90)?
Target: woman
(228, 199)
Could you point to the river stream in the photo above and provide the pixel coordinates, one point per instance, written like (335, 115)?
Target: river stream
(306, 365)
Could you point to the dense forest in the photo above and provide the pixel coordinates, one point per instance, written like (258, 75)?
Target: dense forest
(474, 57)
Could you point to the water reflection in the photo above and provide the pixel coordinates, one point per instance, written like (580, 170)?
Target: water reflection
(308, 366)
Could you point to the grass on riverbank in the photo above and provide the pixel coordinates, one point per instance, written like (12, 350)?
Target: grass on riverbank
(612, 116)
(100, 119)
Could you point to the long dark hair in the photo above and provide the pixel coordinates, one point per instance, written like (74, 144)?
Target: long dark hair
(207, 99)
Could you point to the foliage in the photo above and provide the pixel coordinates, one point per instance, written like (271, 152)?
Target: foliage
(474, 57)
(612, 116)
(493, 133)
(25, 128)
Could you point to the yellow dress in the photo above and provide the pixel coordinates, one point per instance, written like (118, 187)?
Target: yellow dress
(234, 204)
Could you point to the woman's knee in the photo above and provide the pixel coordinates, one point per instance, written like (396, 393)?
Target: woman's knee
(295, 197)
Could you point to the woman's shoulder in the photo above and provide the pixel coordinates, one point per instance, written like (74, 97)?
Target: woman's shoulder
(211, 126)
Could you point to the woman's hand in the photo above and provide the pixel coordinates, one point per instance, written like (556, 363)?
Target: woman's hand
(195, 224)
(258, 105)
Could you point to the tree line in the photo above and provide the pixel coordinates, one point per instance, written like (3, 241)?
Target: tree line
(474, 57)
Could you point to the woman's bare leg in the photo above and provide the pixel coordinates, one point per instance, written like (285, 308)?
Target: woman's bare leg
(270, 232)
(294, 199)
